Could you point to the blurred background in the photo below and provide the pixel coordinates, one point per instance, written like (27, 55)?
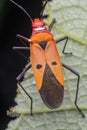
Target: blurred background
(12, 21)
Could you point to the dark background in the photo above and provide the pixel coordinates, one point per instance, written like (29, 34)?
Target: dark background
(12, 21)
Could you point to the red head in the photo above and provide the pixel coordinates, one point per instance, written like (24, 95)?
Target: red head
(38, 25)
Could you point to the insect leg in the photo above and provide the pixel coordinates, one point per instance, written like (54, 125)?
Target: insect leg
(19, 77)
(64, 38)
(24, 40)
(77, 74)
(24, 51)
(41, 13)
(51, 24)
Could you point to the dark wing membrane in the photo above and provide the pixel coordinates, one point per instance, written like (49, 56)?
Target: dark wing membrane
(51, 91)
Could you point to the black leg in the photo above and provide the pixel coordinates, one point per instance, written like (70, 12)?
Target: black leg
(77, 74)
(24, 40)
(41, 13)
(64, 38)
(19, 79)
(51, 24)
(24, 51)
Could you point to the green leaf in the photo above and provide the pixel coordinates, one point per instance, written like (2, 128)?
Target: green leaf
(71, 21)
(71, 18)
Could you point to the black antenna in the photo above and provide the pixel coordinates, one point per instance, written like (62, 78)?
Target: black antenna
(41, 13)
(22, 9)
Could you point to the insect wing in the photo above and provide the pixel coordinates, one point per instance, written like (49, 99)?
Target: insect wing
(48, 73)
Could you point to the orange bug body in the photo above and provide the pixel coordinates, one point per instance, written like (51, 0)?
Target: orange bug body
(46, 64)
(45, 61)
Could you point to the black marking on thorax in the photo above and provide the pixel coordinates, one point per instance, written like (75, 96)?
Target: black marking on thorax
(43, 45)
